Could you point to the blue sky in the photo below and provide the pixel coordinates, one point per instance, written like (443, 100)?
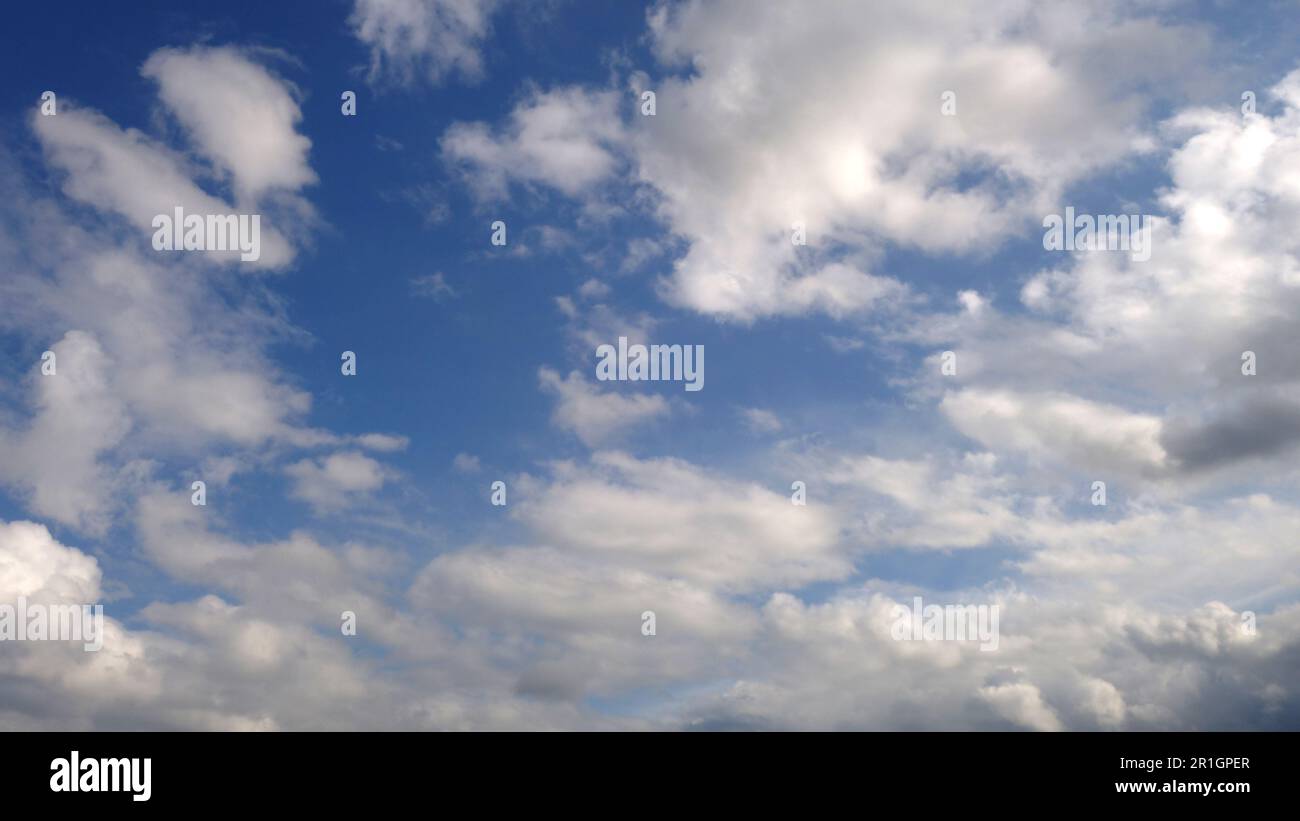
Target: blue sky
(370, 493)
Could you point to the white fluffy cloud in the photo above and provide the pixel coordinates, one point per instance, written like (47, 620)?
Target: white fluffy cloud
(834, 666)
(1083, 434)
(564, 139)
(34, 565)
(597, 416)
(334, 481)
(37, 567)
(768, 614)
(573, 622)
(239, 115)
(831, 117)
(1135, 369)
(924, 504)
(683, 520)
(150, 357)
(77, 418)
(759, 420)
(423, 39)
(242, 123)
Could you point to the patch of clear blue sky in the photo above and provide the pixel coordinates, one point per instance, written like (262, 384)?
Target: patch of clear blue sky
(461, 375)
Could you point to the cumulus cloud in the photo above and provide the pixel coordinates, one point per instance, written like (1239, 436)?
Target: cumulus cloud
(238, 115)
(153, 356)
(727, 533)
(1141, 615)
(597, 416)
(928, 505)
(1082, 433)
(758, 136)
(34, 565)
(1139, 368)
(582, 617)
(425, 40)
(564, 138)
(37, 567)
(335, 480)
(383, 442)
(835, 666)
(1022, 704)
(137, 364)
(466, 463)
(759, 420)
(77, 418)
